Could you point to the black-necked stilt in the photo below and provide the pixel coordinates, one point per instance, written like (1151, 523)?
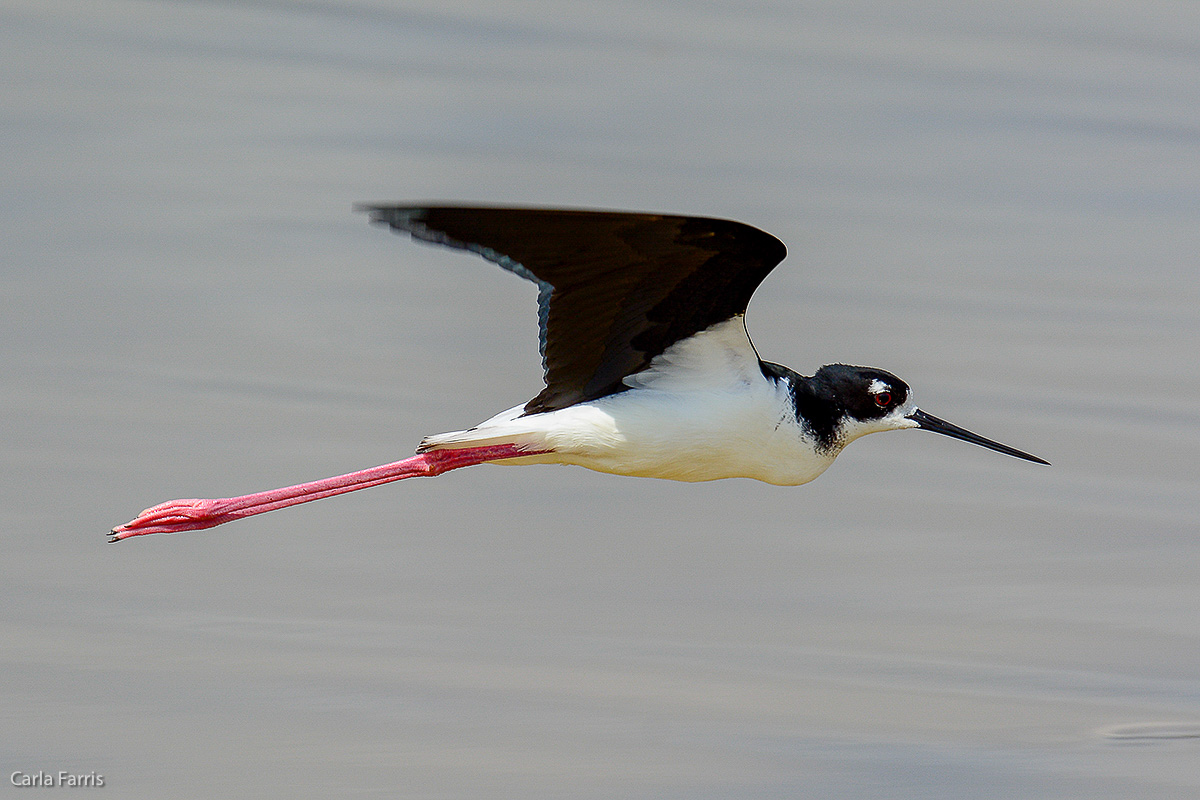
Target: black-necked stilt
(649, 369)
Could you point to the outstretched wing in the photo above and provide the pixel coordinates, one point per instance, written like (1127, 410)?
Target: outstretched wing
(616, 288)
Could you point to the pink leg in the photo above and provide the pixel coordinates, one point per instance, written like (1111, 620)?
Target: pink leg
(176, 516)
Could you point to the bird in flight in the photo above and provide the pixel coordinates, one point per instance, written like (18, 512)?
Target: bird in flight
(648, 367)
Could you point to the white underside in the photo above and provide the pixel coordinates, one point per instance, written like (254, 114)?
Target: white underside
(702, 411)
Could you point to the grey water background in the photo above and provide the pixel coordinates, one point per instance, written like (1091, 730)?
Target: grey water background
(998, 201)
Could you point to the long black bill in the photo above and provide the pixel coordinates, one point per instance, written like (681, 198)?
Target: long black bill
(928, 422)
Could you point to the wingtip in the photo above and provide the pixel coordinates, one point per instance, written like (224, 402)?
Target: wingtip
(375, 212)
(404, 218)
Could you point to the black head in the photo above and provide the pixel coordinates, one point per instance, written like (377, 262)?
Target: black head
(843, 403)
(860, 393)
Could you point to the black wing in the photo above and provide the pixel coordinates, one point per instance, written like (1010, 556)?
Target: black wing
(616, 288)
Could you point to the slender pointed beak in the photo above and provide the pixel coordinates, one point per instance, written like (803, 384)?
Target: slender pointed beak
(928, 422)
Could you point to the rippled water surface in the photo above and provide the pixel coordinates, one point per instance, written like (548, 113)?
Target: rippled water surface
(997, 201)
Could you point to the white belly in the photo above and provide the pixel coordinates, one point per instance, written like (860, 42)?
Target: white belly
(690, 437)
(749, 432)
(701, 412)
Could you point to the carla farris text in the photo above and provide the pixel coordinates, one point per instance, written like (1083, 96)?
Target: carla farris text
(60, 778)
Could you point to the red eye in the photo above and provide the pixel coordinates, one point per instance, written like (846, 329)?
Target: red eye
(883, 399)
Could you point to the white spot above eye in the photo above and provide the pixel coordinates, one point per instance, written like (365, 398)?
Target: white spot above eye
(878, 386)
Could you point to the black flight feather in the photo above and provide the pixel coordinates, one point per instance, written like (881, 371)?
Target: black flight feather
(616, 288)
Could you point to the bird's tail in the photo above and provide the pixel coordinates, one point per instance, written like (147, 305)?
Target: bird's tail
(474, 437)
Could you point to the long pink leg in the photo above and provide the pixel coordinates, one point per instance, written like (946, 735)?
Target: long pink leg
(176, 516)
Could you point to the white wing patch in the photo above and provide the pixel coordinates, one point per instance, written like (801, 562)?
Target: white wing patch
(717, 357)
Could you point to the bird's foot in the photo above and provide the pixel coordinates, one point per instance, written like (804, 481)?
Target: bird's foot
(173, 516)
